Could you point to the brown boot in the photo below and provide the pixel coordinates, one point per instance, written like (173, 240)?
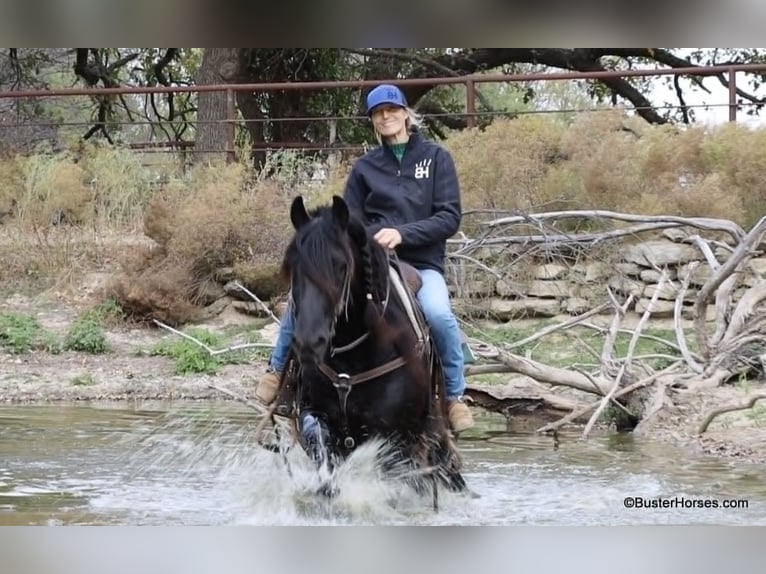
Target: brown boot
(460, 417)
(268, 386)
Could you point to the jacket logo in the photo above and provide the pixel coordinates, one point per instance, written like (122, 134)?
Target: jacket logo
(422, 169)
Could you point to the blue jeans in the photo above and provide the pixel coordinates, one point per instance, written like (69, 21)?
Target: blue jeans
(433, 297)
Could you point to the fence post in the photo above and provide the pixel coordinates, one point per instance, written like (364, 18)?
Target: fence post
(732, 95)
(470, 104)
(230, 115)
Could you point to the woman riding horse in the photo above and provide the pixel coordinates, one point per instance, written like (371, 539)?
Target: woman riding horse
(363, 359)
(408, 191)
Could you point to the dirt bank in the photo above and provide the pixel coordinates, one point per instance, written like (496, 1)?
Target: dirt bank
(129, 372)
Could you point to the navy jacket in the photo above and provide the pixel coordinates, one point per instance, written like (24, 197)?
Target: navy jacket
(419, 198)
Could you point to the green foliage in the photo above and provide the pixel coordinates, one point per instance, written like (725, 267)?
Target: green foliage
(18, 332)
(189, 357)
(87, 334)
(567, 348)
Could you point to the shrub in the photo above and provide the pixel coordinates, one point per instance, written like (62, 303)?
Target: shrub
(86, 334)
(18, 332)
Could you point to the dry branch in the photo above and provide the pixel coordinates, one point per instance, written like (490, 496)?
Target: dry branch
(680, 336)
(629, 357)
(719, 276)
(210, 350)
(560, 327)
(747, 404)
(585, 410)
(660, 221)
(258, 301)
(607, 358)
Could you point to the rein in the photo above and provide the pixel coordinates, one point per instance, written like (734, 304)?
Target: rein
(355, 343)
(344, 382)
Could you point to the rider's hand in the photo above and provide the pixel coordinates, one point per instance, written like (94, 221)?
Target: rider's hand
(388, 237)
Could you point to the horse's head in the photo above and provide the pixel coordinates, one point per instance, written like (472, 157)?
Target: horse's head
(322, 263)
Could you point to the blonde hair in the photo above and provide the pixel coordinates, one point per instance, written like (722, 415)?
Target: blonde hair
(412, 122)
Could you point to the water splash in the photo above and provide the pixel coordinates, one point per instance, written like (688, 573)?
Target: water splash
(206, 469)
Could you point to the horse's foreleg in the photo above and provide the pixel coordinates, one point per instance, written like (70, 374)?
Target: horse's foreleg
(316, 437)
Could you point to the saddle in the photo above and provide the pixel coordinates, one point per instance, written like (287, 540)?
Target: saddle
(411, 276)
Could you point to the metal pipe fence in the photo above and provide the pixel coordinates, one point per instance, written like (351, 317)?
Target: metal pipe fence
(163, 136)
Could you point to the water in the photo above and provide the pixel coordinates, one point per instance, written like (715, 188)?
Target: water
(197, 464)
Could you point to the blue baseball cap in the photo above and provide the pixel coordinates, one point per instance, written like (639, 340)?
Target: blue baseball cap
(385, 94)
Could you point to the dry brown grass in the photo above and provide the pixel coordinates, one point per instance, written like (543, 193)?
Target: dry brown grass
(64, 214)
(608, 160)
(216, 217)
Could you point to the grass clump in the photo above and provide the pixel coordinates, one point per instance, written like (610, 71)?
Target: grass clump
(19, 333)
(86, 334)
(191, 358)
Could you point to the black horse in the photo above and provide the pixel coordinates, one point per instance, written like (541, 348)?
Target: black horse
(362, 362)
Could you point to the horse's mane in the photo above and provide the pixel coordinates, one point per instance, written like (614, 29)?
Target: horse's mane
(311, 251)
(313, 245)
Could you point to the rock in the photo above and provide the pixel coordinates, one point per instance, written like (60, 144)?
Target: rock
(668, 292)
(660, 252)
(659, 309)
(701, 274)
(548, 289)
(233, 290)
(510, 288)
(505, 309)
(629, 269)
(653, 276)
(626, 286)
(675, 234)
(550, 271)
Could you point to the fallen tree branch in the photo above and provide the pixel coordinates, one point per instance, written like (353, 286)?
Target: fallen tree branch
(214, 352)
(255, 298)
(559, 327)
(549, 374)
(655, 338)
(724, 271)
(629, 357)
(679, 329)
(611, 399)
(607, 358)
(585, 410)
(704, 246)
(707, 223)
(722, 303)
(747, 404)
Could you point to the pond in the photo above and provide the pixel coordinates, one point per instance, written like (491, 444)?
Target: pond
(197, 464)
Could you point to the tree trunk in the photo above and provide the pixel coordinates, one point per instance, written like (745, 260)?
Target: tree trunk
(219, 65)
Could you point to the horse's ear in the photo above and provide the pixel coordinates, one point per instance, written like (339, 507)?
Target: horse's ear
(298, 214)
(340, 211)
